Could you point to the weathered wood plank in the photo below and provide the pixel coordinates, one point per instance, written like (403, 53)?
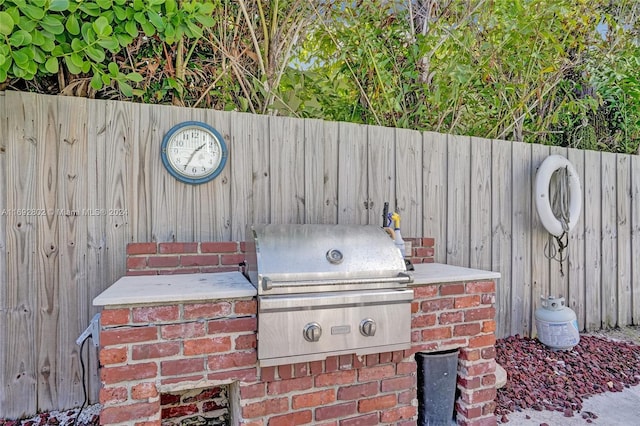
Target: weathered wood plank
(381, 162)
(240, 176)
(352, 174)
(4, 283)
(321, 171)
(143, 154)
(48, 252)
(592, 211)
(408, 170)
(609, 243)
(286, 140)
(121, 134)
(19, 371)
(521, 232)
(501, 232)
(540, 281)
(73, 296)
(163, 187)
(480, 205)
(214, 219)
(635, 238)
(435, 191)
(261, 173)
(559, 277)
(623, 219)
(576, 261)
(458, 199)
(96, 264)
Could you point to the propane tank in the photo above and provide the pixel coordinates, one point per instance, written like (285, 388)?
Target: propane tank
(556, 324)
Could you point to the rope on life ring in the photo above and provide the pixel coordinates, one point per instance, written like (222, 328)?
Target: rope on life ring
(554, 225)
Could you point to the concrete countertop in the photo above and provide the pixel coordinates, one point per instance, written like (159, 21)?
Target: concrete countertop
(433, 273)
(148, 289)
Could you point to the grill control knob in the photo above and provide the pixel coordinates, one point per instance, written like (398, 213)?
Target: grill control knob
(335, 256)
(312, 332)
(368, 327)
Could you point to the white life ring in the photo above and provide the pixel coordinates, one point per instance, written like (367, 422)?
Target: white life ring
(543, 204)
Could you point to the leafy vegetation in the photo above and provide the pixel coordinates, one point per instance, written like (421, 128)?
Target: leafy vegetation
(560, 72)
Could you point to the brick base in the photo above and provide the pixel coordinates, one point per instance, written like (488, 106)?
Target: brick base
(148, 352)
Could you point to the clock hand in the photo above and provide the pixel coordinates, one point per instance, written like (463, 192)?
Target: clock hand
(193, 154)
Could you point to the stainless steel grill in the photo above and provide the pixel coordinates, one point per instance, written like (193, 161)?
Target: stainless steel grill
(327, 290)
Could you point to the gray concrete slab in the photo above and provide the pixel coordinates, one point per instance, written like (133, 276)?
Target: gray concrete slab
(612, 409)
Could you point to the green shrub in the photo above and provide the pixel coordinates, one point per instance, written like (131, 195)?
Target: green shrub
(38, 37)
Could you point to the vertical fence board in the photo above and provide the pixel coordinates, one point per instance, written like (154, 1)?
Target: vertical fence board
(96, 265)
(352, 174)
(20, 375)
(521, 231)
(458, 208)
(72, 236)
(121, 134)
(212, 200)
(540, 281)
(501, 231)
(143, 154)
(381, 149)
(321, 171)
(313, 171)
(4, 284)
(608, 242)
(261, 173)
(623, 239)
(286, 139)
(480, 205)
(163, 203)
(559, 279)
(48, 252)
(408, 170)
(435, 191)
(240, 174)
(592, 211)
(576, 250)
(331, 172)
(635, 239)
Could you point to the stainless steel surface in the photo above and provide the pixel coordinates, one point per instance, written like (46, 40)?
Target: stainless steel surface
(336, 285)
(331, 327)
(329, 253)
(327, 290)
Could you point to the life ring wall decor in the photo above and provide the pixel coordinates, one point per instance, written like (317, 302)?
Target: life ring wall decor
(543, 203)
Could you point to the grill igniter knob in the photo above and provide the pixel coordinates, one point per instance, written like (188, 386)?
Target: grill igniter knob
(368, 327)
(312, 332)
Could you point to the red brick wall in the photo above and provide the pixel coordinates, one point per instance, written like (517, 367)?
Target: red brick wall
(183, 346)
(190, 258)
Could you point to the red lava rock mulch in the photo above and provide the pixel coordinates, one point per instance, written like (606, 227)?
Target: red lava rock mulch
(89, 417)
(543, 379)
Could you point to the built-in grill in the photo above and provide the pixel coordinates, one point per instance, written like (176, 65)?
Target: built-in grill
(327, 290)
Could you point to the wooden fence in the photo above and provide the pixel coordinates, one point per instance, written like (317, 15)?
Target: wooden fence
(81, 178)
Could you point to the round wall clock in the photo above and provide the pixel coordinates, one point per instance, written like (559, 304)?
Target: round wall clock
(193, 152)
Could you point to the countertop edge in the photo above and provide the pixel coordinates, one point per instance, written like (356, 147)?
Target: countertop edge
(162, 289)
(433, 273)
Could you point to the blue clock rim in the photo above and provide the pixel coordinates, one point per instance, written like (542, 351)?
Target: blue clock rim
(178, 176)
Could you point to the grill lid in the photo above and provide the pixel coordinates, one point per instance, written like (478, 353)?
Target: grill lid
(308, 255)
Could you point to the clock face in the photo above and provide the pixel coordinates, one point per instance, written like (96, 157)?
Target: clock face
(193, 152)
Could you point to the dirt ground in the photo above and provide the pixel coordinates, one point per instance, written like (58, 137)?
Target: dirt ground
(628, 334)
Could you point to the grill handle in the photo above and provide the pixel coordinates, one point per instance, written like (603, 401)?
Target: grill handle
(268, 284)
